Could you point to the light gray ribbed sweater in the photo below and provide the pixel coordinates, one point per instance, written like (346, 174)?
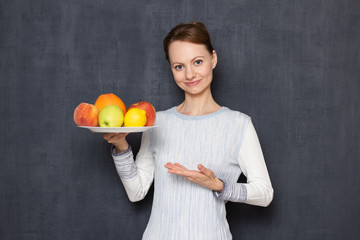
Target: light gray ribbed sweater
(225, 142)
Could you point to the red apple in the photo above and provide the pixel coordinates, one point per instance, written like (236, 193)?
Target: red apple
(86, 114)
(149, 109)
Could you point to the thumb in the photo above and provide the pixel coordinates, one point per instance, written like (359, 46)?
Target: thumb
(204, 170)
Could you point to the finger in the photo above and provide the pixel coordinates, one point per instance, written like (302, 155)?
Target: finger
(185, 174)
(121, 135)
(124, 134)
(191, 174)
(168, 165)
(172, 168)
(114, 137)
(202, 168)
(175, 166)
(205, 170)
(180, 166)
(117, 137)
(107, 135)
(177, 170)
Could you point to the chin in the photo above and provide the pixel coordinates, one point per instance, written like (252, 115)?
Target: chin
(197, 91)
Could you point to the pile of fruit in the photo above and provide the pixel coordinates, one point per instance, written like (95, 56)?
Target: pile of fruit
(110, 111)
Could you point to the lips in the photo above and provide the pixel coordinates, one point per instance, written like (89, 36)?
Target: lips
(193, 83)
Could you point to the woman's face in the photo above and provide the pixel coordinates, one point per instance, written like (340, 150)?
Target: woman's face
(192, 66)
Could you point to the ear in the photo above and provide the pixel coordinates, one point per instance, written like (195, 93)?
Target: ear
(214, 59)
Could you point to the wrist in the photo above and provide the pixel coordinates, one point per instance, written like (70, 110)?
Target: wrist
(219, 185)
(121, 148)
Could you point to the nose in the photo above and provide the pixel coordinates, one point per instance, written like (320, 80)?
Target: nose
(190, 73)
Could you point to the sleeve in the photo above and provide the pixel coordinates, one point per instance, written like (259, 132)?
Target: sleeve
(258, 189)
(136, 176)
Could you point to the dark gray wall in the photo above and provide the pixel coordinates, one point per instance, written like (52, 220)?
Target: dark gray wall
(293, 66)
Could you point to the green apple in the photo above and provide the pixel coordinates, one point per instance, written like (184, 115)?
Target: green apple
(111, 116)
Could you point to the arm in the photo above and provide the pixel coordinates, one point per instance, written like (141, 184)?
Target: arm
(258, 189)
(136, 176)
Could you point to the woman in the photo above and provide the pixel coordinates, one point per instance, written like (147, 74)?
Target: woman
(197, 153)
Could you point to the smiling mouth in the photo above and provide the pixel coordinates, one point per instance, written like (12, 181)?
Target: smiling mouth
(193, 83)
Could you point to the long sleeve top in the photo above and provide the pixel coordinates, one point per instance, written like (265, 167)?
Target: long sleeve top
(225, 142)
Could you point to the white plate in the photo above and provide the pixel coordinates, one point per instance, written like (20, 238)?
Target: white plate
(117, 129)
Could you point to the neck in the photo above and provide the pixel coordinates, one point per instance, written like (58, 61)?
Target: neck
(196, 105)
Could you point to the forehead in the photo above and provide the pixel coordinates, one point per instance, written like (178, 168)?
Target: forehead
(180, 51)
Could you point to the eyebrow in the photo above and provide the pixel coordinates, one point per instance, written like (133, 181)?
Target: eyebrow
(191, 60)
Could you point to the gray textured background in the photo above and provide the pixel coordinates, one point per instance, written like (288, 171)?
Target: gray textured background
(293, 66)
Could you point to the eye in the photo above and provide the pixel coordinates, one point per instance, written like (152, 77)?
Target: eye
(178, 67)
(198, 62)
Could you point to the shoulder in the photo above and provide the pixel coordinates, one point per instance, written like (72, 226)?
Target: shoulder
(236, 116)
(163, 115)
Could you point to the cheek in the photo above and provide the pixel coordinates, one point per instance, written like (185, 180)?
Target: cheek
(206, 71)
(177, 76)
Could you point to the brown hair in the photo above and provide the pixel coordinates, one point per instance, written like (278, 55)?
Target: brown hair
(194, 32)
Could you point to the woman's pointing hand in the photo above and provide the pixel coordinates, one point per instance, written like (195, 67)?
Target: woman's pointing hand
(204, 177)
